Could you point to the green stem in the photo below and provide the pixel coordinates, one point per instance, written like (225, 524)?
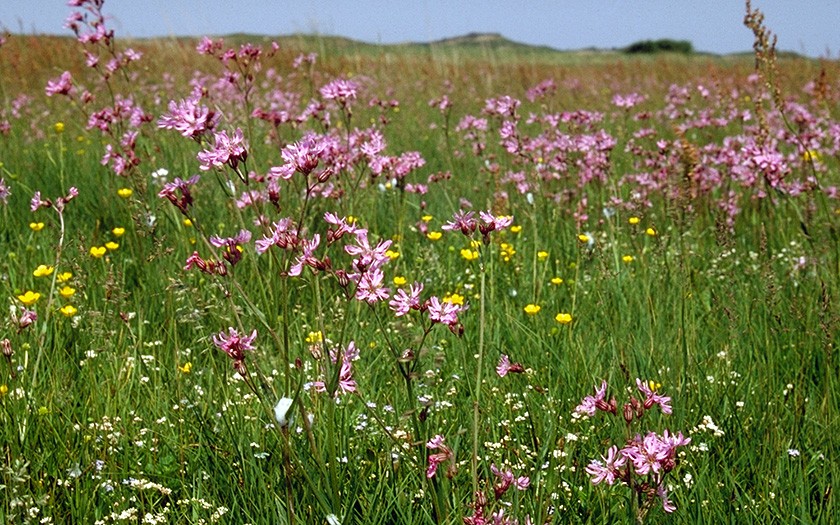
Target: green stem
(478, 379)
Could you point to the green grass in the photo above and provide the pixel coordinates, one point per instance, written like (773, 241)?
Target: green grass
(134, 411)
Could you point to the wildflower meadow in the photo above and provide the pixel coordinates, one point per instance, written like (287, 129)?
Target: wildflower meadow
(306, 281)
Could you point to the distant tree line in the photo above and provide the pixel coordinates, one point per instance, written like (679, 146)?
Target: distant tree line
(659, 46)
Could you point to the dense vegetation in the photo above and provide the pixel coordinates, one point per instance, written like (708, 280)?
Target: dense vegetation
(322, 282)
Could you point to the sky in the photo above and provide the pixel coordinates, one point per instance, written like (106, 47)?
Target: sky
(809, 27)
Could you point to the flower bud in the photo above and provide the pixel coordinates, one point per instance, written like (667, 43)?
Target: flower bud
(7, 347)
(628, 413)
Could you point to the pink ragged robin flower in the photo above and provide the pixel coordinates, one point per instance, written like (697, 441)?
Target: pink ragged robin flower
(443, 454)
(235, 345)
(340, 90)
(608, 469)
(5, 192)
(189, 118)
(231, 246)
(404, 301)
(652, 398)
(590, 404)
(370, 287)
(178, 192)
(227, 151)
(505, 367)
(463, 221)
(62, 85)
(346, 383)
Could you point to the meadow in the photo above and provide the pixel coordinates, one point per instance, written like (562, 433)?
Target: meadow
(312, 281)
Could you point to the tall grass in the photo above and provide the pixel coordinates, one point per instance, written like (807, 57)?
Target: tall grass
(678, 257)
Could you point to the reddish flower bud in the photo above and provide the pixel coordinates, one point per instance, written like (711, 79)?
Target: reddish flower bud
(628, 412)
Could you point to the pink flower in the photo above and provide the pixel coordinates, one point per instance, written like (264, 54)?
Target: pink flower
(591, 403)
(5, 192)
(227, 150)
(178, 192)
(283, 236)
(340, 90)
(493, 223)
(301, 157)
(189, 118)
(307, 258)
(232, 245)
(370, 287)
(404, 301)
(444, 453)
(505, 367)
(463, 221)
(62, 85)
(441, 312)
(235, 345)
(608, 469)
(652, 398)
(367, 257)
(346, 383)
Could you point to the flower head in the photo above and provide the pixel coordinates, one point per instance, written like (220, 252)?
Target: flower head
(43, 271)
(235, 345)
(68, 310)
(227, 150)
(563, 318)
(29, 298)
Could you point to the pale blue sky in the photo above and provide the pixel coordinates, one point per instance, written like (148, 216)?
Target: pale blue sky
(810, 27)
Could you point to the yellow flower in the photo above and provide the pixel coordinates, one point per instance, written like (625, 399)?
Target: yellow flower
(43, 271)
(36, 226)
(69, 310)
(634, 220)
(811, 155)
(542, 255)
(351, 219)
(59, 127)
(67, 292)
(654, 385)
(314, 337)
(516, 229)
(43, 411)
(507, 251)
(454, 298)
(4, 390)
(391, 254)
(118, 232)
(400, 280)
(651, 232)
(434, 236)
(111, 245)
(186, 368)
(29, 298)
(532, 309)
(64, 277)
(469, 255)
(583, 237)
(557, 281)
(628, 259)
(125, 192)
(426, 218)
(188, 223)
(563, 318)
(97, 251)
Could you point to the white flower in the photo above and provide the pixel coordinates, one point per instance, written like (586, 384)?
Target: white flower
(281, 409)
(332, 519)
